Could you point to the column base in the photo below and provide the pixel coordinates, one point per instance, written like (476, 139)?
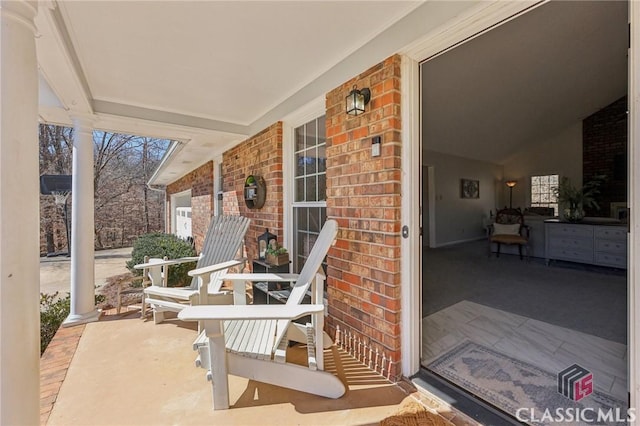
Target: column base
(78, 319)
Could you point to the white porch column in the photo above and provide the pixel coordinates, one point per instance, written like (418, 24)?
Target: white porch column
(19, 216)
(83, 307)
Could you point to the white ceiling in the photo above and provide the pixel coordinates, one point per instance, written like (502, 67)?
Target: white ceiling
(206, 73)
(525, 80)
(230, 61)
(211, 73)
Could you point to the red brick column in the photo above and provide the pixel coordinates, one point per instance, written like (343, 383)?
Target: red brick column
(200, 181)
(363, 195)
(261, 155)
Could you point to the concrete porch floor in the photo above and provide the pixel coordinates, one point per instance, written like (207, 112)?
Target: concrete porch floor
(128, 371)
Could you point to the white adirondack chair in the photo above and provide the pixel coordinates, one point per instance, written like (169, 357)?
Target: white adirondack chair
(250, 341)
(222, 243)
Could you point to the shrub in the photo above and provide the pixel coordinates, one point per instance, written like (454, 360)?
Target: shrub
(160, 245)
(53, 311)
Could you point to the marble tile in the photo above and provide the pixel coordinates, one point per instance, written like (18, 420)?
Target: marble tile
(603, 366)
(620, 388)
(545, 345)
(578, 338)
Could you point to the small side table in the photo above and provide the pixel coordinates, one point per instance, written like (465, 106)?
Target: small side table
(262, 290)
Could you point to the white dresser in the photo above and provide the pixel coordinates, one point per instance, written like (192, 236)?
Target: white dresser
(584, 242)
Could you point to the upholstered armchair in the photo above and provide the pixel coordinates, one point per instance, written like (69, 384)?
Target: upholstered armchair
(508, 228)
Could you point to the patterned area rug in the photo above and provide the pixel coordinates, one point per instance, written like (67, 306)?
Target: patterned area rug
(521, 389)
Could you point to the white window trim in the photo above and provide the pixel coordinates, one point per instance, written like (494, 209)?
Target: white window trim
(303, 115)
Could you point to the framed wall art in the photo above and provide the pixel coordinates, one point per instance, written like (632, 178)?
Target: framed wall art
(469, 188)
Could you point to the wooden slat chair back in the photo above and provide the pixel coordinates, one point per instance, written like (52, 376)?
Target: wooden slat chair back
(251, 341)
(222, 244)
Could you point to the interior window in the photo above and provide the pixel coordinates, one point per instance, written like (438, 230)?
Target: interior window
(542, 191)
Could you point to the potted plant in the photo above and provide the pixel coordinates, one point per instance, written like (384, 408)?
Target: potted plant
(574, 200)
(277, 255)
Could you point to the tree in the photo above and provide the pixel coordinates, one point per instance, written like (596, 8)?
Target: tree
(122, 166)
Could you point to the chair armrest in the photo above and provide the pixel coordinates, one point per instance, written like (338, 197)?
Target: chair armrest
(247, 312)
(215, 268)
(167, 262)
(526, 228)
(261, 277)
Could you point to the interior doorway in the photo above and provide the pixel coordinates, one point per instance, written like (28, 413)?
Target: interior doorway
(511, 105)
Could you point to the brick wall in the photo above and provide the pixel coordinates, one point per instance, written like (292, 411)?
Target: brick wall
(200, 181)
(261, 155)
(604, 152)
(363, 195)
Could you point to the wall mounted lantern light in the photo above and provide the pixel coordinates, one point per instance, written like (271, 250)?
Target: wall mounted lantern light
(511, 184)
(356, 100)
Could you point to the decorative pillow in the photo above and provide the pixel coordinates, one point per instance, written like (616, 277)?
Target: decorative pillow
(500, 229)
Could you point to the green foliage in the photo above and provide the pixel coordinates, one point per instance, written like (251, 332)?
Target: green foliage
(159, 245)
(275, 249)
(53, 311)
(584, 197)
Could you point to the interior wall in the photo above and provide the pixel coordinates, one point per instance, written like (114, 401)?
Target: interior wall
(461, 219)
(558, 154)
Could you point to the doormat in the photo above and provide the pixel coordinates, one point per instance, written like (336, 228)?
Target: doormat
(415, 414)
(521, 389)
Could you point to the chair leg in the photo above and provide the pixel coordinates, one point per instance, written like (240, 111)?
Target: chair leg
(520, 250)
(498, 252)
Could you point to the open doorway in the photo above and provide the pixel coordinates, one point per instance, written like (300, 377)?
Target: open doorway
(540, 96)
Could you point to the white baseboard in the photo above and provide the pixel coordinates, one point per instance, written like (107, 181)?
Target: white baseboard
(452, 243)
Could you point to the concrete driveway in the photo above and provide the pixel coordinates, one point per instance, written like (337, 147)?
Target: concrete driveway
(55, 274)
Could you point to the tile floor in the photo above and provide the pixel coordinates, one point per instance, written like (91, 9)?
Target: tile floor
(547, 346)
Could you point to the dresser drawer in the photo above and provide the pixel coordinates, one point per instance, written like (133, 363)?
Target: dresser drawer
(568, 230)
(611, 233)
(610, 246)
(583, 244)
(609, 259)
(573, 254)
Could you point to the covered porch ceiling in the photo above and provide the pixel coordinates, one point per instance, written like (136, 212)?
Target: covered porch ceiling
(206, 73)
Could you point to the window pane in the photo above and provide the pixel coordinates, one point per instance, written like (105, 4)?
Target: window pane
(302, 218)
(322, 158)
(299, 137)
(322, 187)
(299, 190)
(542, 191)
(322, 130)
(310, 161)
(314, 220)
(311, 134)
(311, 189)
(300, 160)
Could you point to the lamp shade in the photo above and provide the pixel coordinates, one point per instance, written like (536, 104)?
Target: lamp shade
(511, 183)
